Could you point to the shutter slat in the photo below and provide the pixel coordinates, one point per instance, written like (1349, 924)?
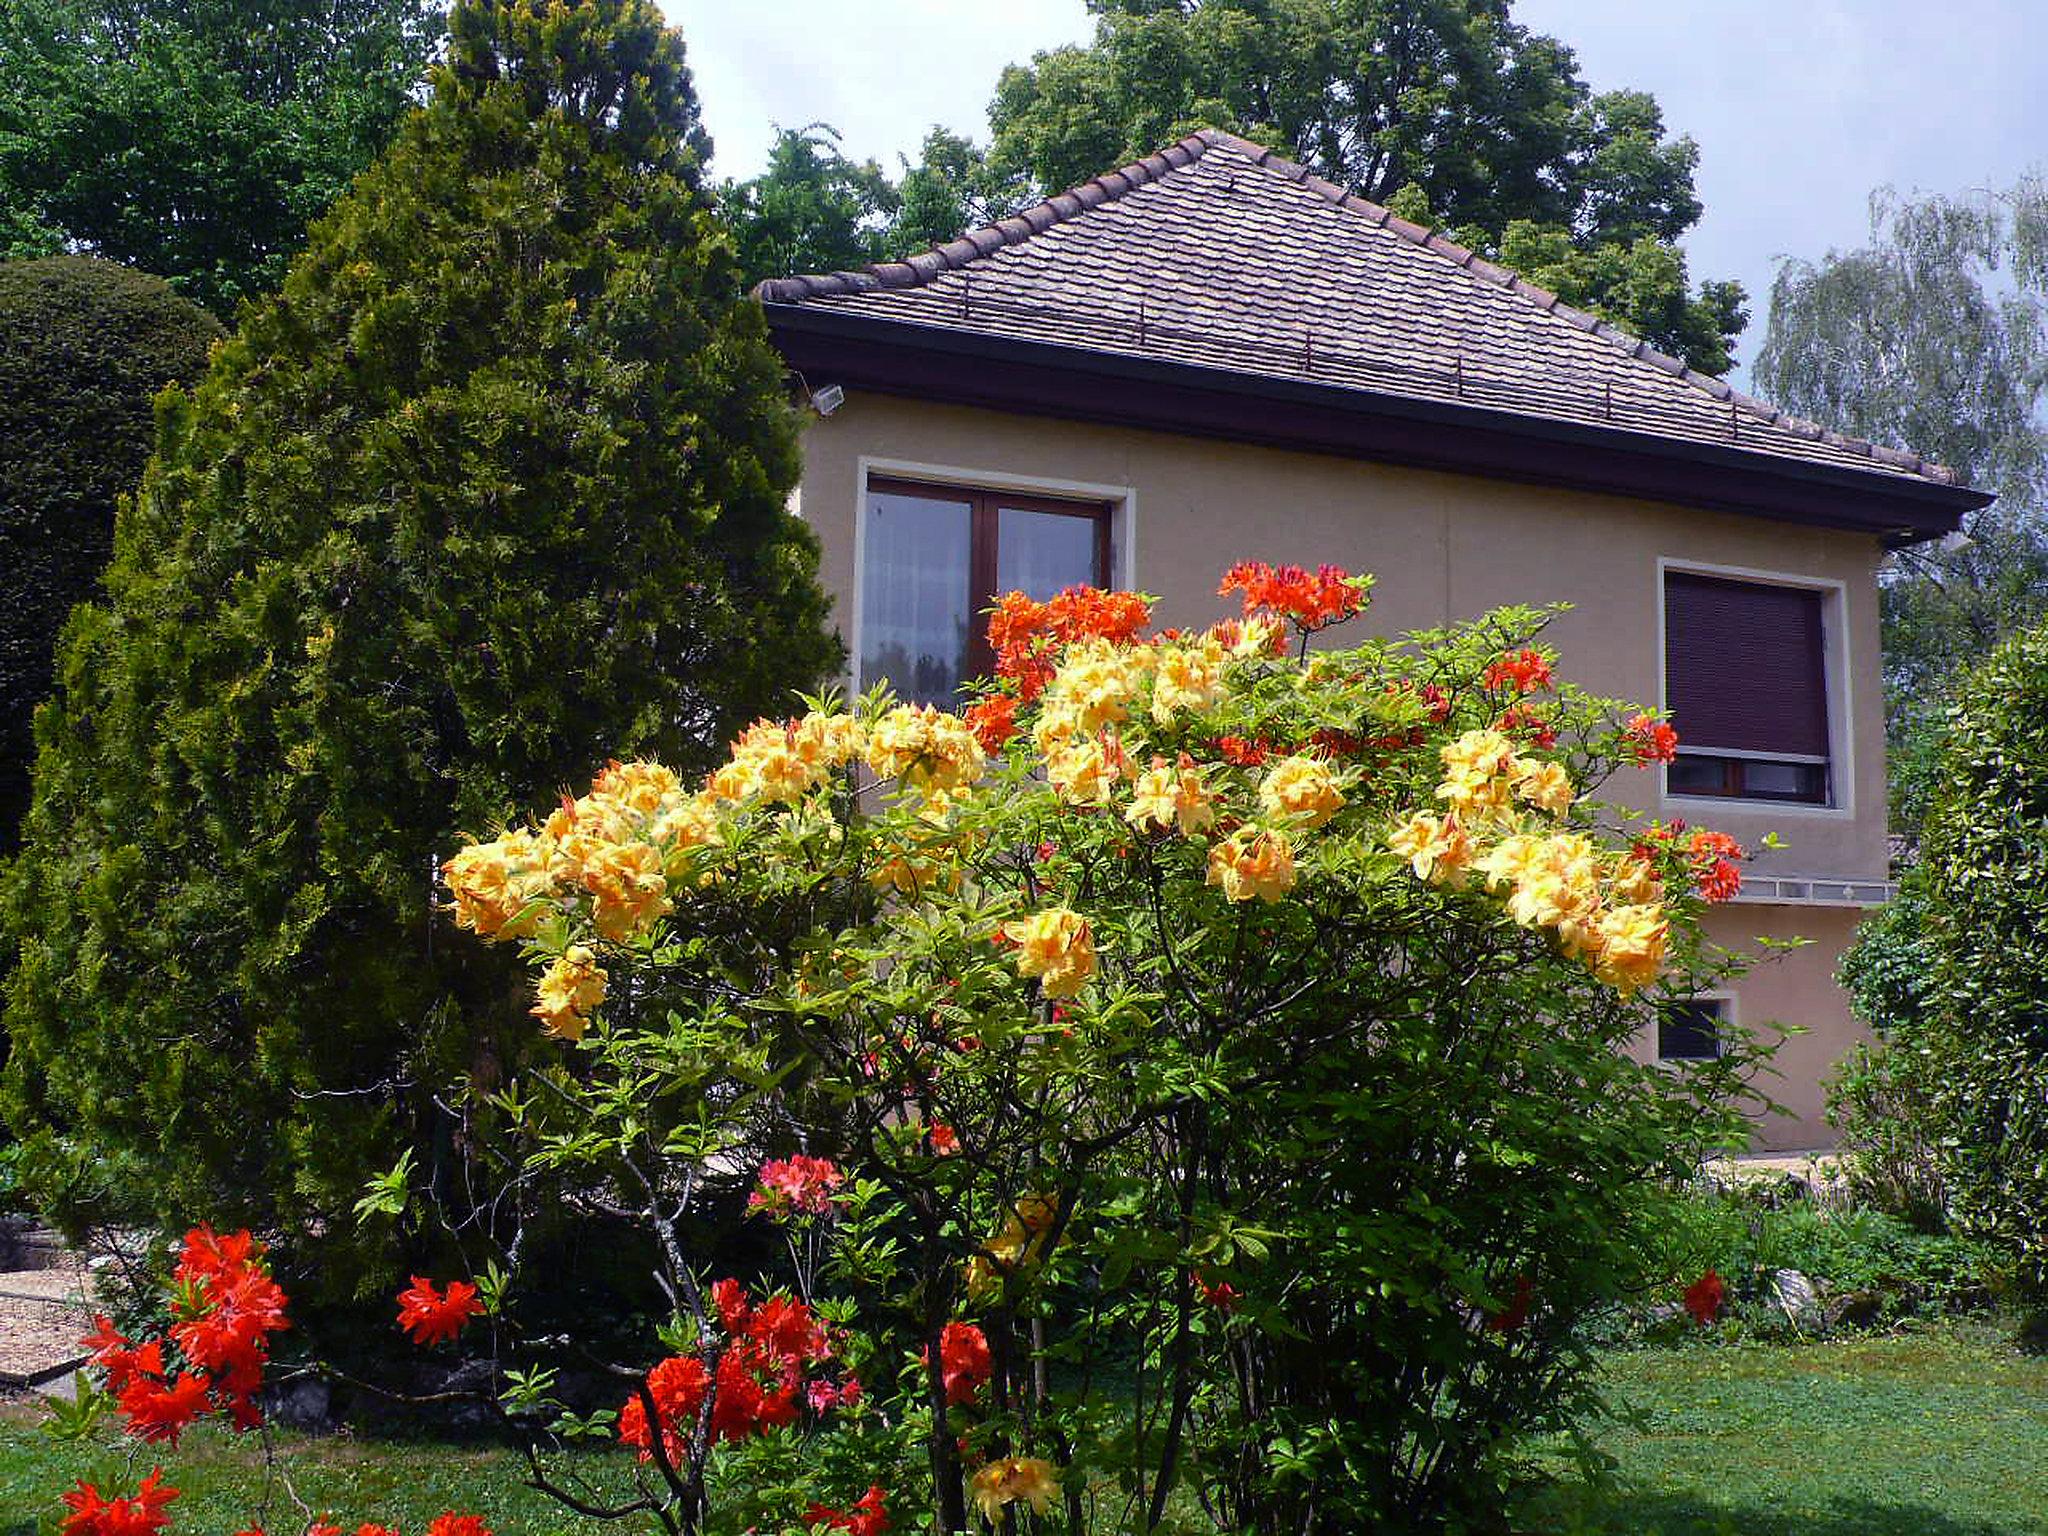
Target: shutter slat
(1744, 668)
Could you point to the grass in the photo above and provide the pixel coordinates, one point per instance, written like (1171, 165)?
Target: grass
(1940, 1431)
(220, 1478)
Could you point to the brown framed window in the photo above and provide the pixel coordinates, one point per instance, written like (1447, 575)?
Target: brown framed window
(1745, 678)
(935, 557)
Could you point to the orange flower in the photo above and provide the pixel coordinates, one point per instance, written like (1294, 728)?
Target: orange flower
(1028, 1478)
(1328, 595)
(1525, 671)
(1057, 946)
(1301, 786)
(1252, 862)
(570, 989)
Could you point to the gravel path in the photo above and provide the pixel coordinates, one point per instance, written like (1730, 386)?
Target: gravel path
(43, 1313)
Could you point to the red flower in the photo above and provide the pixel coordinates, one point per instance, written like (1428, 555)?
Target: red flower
(944, 1139)
(431, 1317)
(452, 1524)
(1244, 753)
(1525, 671)
(787, 1331)
(865, 1518)
(1512, 1317)
(1703, 1298)
(730, 1298)
(1520, 719)
(159, 1412)
(138, 1514)
(1329, 595)
(964, 1361)
(1027, 636)
(806, 1184)
(1712, 856)
(1220, 1294)
(1650, 741)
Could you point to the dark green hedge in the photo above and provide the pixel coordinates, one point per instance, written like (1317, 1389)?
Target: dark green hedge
(84, 347)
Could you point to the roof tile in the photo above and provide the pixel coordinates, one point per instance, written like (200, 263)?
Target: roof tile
(1220, 252)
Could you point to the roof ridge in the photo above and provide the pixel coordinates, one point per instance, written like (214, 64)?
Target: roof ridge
(987, 239)
(1110, 186)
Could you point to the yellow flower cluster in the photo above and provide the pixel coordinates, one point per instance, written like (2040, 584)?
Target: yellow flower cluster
(1187, 677)
(1028, 1478)
(925, 749)
(1301, 786)
(1253, 862)
(1017, 1247)
(1605, 911)
(1171, 796)
(570, 991)
(777, 762)
(1057, 946)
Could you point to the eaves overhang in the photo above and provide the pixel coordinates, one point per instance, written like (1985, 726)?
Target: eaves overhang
(1001, 372)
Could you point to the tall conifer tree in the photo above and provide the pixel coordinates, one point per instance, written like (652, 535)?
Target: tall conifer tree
(497, 481)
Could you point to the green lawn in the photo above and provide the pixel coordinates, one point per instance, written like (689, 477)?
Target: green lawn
(1942, 1432)
(220, 1476)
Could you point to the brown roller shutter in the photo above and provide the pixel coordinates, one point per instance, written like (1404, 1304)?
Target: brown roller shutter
(1743, 667)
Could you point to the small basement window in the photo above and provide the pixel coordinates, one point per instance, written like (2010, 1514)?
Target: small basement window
(1691, 1029)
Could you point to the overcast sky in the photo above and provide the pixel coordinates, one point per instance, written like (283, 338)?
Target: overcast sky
(1800, 107)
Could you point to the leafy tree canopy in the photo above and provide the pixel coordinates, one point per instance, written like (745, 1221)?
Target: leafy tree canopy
(812, 209)
(84, 347)
(499, 473)
(1934, 337)
(195, 140)
(1445, 108)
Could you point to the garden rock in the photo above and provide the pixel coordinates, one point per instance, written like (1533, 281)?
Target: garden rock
(304, 1404)
(1795, 1295)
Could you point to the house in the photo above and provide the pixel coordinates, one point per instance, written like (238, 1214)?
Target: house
(1212, 355)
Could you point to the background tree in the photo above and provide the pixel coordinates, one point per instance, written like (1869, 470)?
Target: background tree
(1446, 107)
(811, 210)
(495, 483)
(1953, 975)
(84, 347)
(1933, 337)
(196, 141)
(951, 188)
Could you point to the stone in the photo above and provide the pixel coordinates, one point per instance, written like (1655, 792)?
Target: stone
(1796, 1296)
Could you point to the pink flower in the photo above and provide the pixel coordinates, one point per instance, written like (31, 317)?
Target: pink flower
(808, 1185)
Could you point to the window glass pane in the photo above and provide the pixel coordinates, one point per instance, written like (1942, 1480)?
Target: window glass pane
(1692, 775)
(1791, 781)
(1689, 1031)
(914, 619)
(1040, 553)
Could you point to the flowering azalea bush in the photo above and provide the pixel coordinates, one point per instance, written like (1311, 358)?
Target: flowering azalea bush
(1182, 1091)
(1188, 1087)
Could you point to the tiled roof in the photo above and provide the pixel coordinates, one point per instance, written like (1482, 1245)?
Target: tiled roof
(1219, 252)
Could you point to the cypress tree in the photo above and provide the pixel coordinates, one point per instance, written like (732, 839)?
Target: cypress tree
(494, 486)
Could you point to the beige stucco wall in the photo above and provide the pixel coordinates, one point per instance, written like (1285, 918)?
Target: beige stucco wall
(1444, 547)
(1793, 991)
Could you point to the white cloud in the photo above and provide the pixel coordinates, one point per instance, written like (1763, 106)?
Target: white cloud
(880, 71)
